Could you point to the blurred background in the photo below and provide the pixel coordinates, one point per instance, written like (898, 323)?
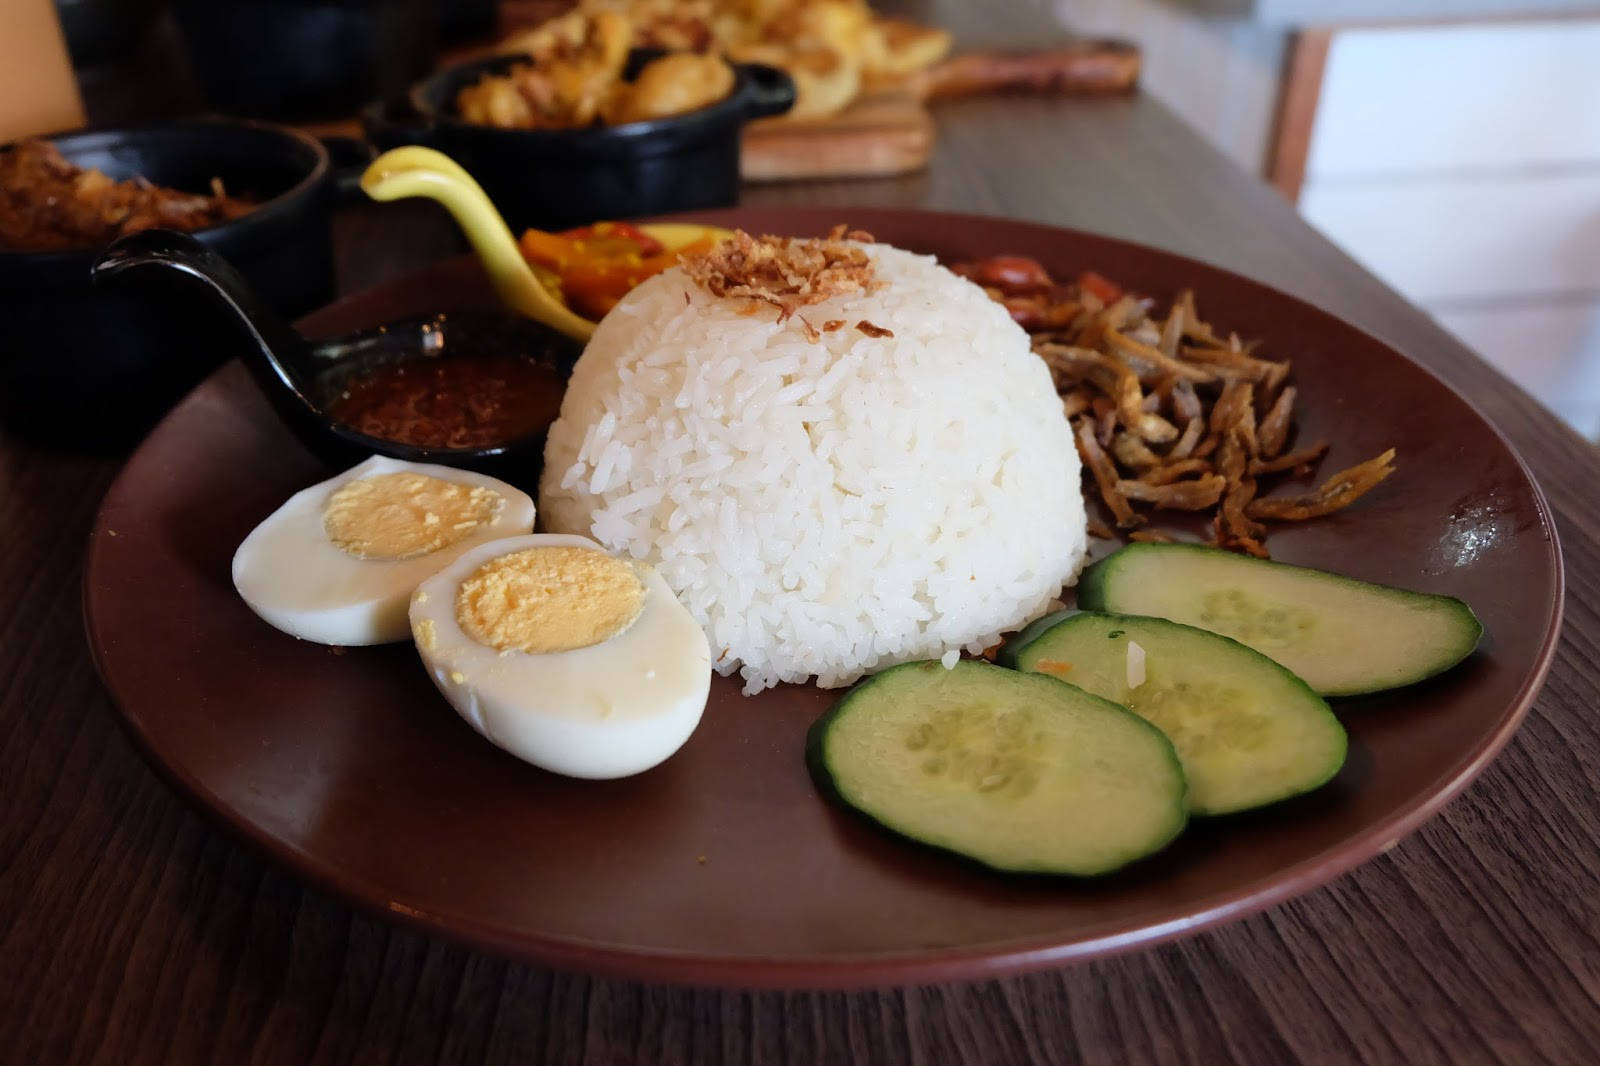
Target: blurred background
(1451, 146)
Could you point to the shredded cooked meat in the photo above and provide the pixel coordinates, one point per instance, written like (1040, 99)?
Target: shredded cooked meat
(786, 272)
(873, 331)
(47, 203)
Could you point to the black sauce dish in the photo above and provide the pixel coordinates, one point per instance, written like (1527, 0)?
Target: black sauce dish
(87, 370)
(552, 179)
(303, 378)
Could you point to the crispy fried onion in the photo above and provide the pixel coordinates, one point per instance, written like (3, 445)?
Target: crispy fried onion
(787, 272)
(1168, 413)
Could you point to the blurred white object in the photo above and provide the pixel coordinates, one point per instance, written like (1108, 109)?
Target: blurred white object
(1461, 164)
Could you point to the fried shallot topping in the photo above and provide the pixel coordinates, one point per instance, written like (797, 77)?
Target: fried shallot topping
(787, 272)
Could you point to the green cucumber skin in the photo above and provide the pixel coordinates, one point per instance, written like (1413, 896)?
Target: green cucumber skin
(1094, 595)
(1007, 656)
(1132, 622)
(822, 775)
(1092, 581)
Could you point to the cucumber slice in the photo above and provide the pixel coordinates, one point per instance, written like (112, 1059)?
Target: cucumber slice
(1341, 636)
(1248, 731)
(1018, 772)
(1007, 656)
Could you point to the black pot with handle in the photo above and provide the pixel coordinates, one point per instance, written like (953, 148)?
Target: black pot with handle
(552, 179)
(89, 369)
(303, 379)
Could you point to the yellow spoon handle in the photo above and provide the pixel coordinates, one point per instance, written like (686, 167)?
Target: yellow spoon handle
(417, 171)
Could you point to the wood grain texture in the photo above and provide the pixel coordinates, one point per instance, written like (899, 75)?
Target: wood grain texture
(887, 130)
(1298, 95)
(132, 931)
(879, 134)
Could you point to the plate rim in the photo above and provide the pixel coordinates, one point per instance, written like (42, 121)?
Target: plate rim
(936, 965)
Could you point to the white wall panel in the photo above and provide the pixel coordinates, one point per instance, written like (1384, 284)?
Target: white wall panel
(1451, 238)
(1432, 99)
(1550, 349)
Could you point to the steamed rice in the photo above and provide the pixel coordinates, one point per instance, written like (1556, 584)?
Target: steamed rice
(824, 508)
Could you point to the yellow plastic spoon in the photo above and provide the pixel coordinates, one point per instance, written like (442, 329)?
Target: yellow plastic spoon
(417, 171)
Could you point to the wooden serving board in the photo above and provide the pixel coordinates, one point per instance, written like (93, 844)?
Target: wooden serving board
(881, 133)
(888, 130)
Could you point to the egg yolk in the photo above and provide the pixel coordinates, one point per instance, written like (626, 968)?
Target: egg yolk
(544, 600)
(401, 516)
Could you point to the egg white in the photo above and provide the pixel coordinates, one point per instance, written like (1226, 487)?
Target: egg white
(608, 710)
(298, 580)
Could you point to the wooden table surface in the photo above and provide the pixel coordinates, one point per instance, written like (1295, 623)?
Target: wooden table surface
(134, 931)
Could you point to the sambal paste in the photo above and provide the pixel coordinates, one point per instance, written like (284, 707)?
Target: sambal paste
(453, 403)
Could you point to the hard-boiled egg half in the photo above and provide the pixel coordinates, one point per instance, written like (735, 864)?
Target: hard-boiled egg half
(564, 655)
(338, 562)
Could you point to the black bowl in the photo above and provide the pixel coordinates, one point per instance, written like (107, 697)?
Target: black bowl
(94, 370)
(302, 379)
(304, 59)
(104, 31)
(552, 179)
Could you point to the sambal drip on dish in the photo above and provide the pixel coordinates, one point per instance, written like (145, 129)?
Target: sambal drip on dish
(453, 403)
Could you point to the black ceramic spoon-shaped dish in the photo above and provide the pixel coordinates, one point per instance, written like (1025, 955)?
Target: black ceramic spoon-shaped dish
(304, 379)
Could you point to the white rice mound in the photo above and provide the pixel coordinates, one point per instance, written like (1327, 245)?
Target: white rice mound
(825, 508)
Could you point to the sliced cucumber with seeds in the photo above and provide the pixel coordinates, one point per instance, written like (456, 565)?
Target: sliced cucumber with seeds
(1007, 655)
(1019, 772)
(1248, 731)
(1341, 636)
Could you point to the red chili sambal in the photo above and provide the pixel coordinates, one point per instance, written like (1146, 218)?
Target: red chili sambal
(453, 403)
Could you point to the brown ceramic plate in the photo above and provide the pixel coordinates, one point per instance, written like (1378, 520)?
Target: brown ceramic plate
(722, 865)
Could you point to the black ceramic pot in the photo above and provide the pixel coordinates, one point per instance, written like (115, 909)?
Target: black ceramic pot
(303, 379)
(104, 31)
(94, 369)
(552, 179)
(304, 59)
(466, 20)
